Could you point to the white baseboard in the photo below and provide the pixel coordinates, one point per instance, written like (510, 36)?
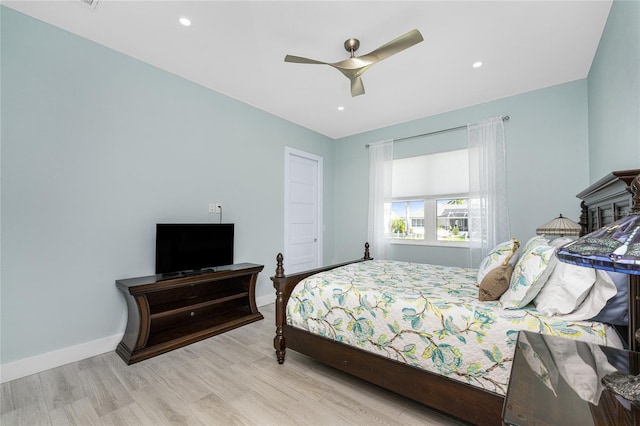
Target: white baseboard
(35, 364)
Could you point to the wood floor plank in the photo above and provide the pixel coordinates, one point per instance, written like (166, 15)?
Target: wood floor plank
(415, 414)
(77, 413)
(130, 415)
(186, 384)
(373, 411)
(21, 393)
(213, 410)
(133, 376)
(293, 378)
(61, 386)
(104, 389)
(33, 414)
(260, 410)
(164, 407)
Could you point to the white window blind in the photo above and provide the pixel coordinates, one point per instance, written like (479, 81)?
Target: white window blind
(433, 174)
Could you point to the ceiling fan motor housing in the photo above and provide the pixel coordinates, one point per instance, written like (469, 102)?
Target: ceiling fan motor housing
(352, 45)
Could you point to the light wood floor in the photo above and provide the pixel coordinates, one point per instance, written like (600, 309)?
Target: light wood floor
(230, 379)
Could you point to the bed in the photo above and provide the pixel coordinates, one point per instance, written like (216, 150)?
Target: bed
(376, 320)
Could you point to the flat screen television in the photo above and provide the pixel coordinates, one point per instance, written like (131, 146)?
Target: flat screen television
(193, 246)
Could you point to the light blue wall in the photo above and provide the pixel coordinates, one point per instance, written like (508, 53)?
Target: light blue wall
(614, 94)
(96, 149)
(547, 164)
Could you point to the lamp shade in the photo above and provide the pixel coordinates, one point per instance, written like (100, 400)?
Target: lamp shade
(560, 226)
(614, 247)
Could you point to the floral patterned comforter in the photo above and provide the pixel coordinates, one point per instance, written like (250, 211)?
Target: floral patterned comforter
(428, 316)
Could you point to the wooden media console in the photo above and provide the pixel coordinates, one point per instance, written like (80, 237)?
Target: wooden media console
(168, 311)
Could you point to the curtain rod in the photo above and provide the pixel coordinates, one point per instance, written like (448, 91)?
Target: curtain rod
(504, 118)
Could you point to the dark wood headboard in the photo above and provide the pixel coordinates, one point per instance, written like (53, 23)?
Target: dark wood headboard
(604, 202)
(607, 200)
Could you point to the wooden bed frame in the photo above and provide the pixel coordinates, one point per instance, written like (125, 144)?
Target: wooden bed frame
(452, 397)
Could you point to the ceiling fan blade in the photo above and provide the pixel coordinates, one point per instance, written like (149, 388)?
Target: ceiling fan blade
(301, 60)
(357, 87)
(394, 46)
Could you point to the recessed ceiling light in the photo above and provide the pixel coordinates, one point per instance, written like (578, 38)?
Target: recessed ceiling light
(340, 108)
(185, 21)
(477, 64)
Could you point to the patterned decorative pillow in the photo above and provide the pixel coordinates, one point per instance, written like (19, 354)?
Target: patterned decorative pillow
(531, 272)
(538, 240)
(496, 257)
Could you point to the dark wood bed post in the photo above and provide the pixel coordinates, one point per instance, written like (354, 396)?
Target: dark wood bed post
(278, 341)
(584, 219)
(367, 255)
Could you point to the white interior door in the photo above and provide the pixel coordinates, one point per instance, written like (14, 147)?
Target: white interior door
(302, 211)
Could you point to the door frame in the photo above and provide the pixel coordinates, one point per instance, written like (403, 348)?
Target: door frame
(288, 153)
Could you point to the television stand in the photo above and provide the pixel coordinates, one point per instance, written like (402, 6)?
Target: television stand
(168, 312)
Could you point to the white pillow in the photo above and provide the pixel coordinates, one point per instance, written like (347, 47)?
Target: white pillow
(603, 290)
(531, 272)
(560, 241)
(497, 256)
(567, 287)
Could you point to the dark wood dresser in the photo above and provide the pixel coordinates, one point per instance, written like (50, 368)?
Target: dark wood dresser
(168, 311)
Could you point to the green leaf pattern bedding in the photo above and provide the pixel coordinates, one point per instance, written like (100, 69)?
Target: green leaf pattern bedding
(428, 316)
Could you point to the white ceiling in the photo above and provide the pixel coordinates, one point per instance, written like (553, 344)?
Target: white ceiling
(237, 48)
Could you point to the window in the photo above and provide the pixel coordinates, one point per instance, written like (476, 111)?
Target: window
(452, 219)
(407, 220)
(430, 195)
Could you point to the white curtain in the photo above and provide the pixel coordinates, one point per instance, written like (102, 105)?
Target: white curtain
(380, 169)
(488, 214)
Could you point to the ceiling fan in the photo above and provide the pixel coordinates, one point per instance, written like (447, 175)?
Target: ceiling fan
(354, 67)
